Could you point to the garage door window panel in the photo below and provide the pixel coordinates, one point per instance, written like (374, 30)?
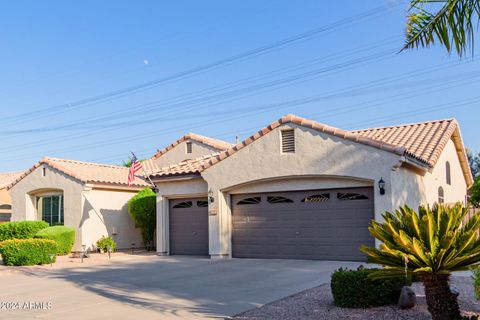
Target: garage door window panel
(251, 200)
(183, 205)
(317, 198)
(278, 199)
(350, 196)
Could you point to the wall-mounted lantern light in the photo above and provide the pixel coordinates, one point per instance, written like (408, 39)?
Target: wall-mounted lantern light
(211, 199)
(381, 186)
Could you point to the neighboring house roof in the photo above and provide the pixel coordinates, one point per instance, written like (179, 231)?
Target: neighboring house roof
(190, 166)
(214, 143)
(423, 141)
(8, 177)
(86, 172)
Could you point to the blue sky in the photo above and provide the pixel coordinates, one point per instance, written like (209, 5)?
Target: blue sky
(56, 55)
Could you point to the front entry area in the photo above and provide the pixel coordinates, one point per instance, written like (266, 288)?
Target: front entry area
(188, 223)
(318, 224)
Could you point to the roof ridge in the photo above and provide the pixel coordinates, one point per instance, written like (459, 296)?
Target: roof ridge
(404, 125)
(83, 162)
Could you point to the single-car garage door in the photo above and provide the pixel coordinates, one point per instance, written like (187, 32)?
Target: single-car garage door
(318, 224)
(189, 226)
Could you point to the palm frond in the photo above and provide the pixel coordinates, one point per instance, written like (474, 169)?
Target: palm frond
(452, 25)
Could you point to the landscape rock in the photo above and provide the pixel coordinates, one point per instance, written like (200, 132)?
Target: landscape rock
(407, 298)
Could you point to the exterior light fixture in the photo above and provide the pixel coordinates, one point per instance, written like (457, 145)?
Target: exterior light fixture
(83, 251)
(211, 199)
(381, 186)
(51, 256)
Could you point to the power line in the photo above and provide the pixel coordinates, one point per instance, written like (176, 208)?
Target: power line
(335, 94)
(352, 20)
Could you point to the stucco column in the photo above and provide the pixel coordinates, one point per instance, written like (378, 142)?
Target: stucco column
(162, 226)
(219, 226)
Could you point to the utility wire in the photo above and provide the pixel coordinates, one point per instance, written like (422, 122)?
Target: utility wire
(48, 111)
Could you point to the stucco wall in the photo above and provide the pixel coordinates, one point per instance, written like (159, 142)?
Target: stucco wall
(173, 190)
(316, 154)
(408, 188)
(179, 153)
(25, 191)
(105, 213)
(458, 188)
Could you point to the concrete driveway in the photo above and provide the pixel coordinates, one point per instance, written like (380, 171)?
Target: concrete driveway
(152, 287)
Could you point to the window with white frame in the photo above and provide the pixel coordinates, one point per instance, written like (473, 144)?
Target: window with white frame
(50, 209)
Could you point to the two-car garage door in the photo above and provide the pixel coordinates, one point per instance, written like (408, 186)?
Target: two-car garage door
(321, 224)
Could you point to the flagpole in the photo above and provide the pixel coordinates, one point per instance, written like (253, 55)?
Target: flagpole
(144, 173)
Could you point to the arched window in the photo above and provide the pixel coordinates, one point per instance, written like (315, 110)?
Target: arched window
(448, 174)
(441, 195)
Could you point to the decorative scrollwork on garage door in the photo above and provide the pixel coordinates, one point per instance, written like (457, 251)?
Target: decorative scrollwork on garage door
(251, 200)
(351, 196)
(185, 204)
(278, 199)
(323, 197)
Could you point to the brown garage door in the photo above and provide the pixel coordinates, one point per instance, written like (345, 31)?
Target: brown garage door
(318, 224)
(189, 226)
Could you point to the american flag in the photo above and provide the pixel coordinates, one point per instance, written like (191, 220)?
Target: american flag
(134, 167)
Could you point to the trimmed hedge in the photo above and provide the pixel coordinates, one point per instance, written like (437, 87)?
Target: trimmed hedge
(20, 229)
(63, 237)
(27, 252)
(354, 289)
(143, 209)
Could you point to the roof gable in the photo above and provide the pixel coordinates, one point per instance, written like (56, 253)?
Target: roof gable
(214, 143)
(86, 172)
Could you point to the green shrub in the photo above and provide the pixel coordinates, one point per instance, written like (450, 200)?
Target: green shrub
(104, 242)
(142, 208)
(20, 229)
(63, 237)
(354, 289)
(27, 252)
(476, 281)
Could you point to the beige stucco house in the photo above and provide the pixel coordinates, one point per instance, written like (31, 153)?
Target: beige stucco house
(92, 197)
(5, 199)
(301, 189)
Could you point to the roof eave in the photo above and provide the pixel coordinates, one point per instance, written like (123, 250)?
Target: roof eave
(175, 177)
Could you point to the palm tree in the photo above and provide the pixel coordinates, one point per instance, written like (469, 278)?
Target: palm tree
(450, 22)
(429, 244)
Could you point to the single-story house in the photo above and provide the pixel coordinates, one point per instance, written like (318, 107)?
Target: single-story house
(301, 189)
(5, 199)
(92, 197)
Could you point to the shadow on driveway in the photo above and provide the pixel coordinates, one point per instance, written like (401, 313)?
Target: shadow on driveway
(211, 288)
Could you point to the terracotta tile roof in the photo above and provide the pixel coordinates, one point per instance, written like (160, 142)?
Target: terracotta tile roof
(214, 143)
(87, 172)
(190, 166)
(8, 177)
(421, 141)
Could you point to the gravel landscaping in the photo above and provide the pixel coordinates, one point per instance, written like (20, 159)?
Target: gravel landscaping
(317, 303)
